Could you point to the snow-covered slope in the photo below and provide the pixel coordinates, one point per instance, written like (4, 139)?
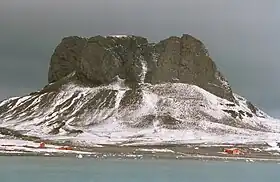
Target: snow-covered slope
(162, 113)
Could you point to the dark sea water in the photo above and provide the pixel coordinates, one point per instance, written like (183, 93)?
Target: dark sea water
(39, 169)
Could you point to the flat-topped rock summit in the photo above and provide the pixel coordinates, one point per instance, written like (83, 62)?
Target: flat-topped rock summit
(127, 90)
(99, 60)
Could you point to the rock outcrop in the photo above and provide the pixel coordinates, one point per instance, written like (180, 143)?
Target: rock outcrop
(99, 60)
(125, 89)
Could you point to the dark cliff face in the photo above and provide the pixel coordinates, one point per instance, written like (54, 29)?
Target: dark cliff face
(98, 60)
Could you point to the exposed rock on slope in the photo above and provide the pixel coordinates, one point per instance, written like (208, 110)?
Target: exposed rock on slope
(176, 60)
(125, 89)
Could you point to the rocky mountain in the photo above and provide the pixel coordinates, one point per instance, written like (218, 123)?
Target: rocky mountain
(124, 89)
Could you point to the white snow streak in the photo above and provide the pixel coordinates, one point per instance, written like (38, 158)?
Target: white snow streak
(144, 70)
(118, 36)
(155, 150)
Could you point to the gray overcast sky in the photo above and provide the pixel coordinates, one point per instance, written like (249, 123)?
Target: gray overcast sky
(241, 35)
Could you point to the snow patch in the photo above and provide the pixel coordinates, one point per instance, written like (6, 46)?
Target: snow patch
(118, 36)
(8, 100)
(20, 146)
(144, 70)
(155, 150)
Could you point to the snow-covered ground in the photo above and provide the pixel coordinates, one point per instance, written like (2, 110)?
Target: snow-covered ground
(128, 137)
(21, 146)
(200, 113)
(155, 150)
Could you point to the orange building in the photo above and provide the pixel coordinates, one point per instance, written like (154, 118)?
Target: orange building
(233, 151)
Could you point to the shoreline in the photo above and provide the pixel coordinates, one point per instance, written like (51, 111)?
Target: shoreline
(146, 157)
(195, 151)
(204, 153)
